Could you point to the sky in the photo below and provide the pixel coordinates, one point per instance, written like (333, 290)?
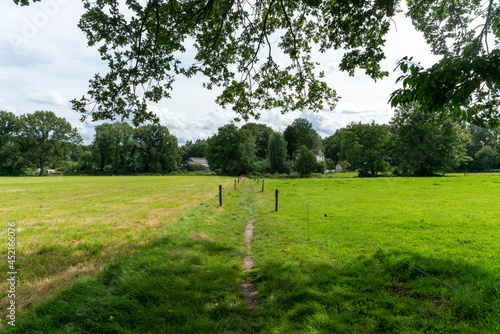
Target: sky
(45, 63)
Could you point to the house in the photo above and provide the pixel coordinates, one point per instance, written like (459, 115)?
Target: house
(319, 155)
(46, 171)
(197, 161)
(338, 168)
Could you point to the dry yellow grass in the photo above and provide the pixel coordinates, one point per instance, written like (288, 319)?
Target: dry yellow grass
(66, 226)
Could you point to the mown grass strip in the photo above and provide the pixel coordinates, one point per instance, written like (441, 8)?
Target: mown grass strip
(186, 281)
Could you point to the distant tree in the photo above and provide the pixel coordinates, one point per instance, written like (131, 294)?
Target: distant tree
(231, 151)
(46, 137)
(330, 164)
(426, 142)
(276, 153)
(247, 161)
(261, 134)
(364, 146)
(345, 165)
(301, 132)
(157, 149)
(115, 147)
(195, 150)
(306, 163)
(478, 138)
(11, 160)
(486, 158)
(331, 146)
(83, 158)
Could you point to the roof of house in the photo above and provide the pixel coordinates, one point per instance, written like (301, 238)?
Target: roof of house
(199, 161)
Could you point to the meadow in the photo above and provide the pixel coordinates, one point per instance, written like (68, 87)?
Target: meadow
(68, 226)
(381, 255)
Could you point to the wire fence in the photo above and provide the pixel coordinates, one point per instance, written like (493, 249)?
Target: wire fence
(377, 246)
(324, 215)
(310, 212)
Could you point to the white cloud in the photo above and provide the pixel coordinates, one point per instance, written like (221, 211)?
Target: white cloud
(50, 97)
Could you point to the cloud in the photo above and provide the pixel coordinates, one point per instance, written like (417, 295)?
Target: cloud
(49, 97)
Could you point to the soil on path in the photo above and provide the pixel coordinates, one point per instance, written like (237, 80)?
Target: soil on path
(247, 288)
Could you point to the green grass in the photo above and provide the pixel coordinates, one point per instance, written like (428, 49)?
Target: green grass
(186, 281)
(67, 226)
(351, 274)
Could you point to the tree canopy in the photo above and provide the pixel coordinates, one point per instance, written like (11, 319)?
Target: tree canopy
(425, 143)
(465, 83)
(276, 153)
(231, 151)
(365, 147)
(46, 137)
(301, 132)
(237, 44)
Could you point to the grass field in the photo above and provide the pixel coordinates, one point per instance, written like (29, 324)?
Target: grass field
(357, 270)
(70, 225)
(375, 256)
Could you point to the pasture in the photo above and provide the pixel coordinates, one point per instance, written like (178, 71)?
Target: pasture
(402, 255)
(66, 226)
(373, 245)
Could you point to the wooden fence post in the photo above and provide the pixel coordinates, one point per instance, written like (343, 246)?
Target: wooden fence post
(262, 185)
(276, 195)
(220, 195)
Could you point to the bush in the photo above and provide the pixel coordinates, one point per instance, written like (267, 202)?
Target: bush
(193, 168)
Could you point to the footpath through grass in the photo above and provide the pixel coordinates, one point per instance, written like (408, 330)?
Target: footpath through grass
(347, 277)
(68, 226)
(186, 281)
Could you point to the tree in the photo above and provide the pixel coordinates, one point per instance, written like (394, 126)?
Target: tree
(486, 158)
(306, 162)
(231, 151)
(195, 150)
(115, 147)
(480, 137)
(276, 153)
(465, 83)
(426, 142)
(260, 133)
(11, 160)
(46, 137)
(157, 149)
(143, 42)
(83, 158)
(301, 132)
(365, 147)
(331, 146)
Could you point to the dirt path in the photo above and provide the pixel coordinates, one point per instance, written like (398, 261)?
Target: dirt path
(249, 291)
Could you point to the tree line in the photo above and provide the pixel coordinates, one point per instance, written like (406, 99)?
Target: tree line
(413, 143)
(42, 140)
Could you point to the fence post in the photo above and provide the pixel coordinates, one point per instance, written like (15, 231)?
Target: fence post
(234, 183)
(308, 220)
(262, 185)
(220, 195)
(276, 195)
